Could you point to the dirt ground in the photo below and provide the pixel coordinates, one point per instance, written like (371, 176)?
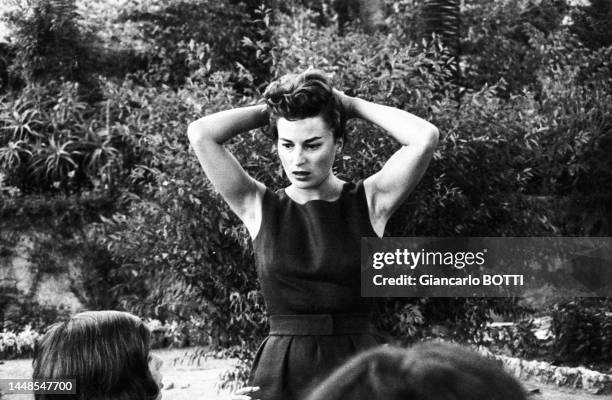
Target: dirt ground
(185, 380)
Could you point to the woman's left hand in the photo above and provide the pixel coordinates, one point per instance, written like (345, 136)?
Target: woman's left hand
(347, 103)
(244, 393)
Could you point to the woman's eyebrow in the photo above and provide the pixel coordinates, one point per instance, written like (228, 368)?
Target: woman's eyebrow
(309, 140)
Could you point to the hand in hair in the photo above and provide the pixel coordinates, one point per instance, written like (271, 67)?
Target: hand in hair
(346, 102)
(300, 96)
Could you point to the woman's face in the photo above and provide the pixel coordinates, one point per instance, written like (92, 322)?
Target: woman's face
(306, 148)
(155, 364)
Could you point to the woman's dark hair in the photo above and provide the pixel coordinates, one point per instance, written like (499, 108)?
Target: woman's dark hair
(430, 371)
(305, 95)
(106, 352)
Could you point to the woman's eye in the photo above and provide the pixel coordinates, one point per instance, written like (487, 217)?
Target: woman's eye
(287, 145)
(313, 146)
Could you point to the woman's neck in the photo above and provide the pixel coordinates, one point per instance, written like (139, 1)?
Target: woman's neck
(329, 190)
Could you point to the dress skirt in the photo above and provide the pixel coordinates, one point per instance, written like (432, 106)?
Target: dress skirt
(289, 366)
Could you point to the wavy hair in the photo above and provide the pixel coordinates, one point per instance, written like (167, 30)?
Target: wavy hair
(305, 95)
(430, 371)
(105, 351)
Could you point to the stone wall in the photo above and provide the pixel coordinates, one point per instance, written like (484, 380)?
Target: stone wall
(49, 257)
(33, 267)
(543, 372)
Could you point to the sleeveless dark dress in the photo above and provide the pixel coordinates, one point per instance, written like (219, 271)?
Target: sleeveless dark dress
(308, 260)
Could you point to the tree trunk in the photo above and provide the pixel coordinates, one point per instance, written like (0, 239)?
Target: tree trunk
(370, 12)
(443, 17)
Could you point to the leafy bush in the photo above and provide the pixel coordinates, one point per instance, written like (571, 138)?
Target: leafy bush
(23, 312)
(193, 39)
(237, 377)
(496, 40)
(180, 249)
(593, 23)
(19, 344)
(582, 331)
(50, 41)
(518, 340)
(403, 321)
(167, 334)
(54, 141)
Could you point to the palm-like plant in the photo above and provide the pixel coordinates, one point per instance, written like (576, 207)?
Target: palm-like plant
(54, 161)
(14, 154)
(19, 120)
(69, 107)
(98, 150)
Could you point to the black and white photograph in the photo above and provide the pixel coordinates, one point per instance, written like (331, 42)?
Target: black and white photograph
(306, 199)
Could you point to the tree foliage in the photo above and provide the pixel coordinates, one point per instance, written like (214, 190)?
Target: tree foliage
(50, 41)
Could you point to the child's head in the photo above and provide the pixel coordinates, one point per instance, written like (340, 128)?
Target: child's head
(107, 352)
(430, 371)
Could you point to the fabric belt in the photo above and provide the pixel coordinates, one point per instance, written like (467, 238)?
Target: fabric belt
(320, 324)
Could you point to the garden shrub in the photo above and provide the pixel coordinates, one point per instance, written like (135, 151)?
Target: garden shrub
(495, 40)
(181, 251)
(50, 41)
(592, 23)
(60, 213)
(6, 55)
(582, 331)
(192, 39)
(53, 141)
(23, 312)
(20, 344)
(517, 340)
(575, 134)
(168, 334)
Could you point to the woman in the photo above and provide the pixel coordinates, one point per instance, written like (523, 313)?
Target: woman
(430, 371)
(106, 352)
(307, 236)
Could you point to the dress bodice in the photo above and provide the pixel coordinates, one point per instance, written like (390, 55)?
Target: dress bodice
(308, 255)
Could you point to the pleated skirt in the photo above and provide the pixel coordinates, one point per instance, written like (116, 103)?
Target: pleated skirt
(288, 367)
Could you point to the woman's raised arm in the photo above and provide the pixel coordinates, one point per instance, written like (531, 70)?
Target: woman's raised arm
(389, 187)
(207, 135)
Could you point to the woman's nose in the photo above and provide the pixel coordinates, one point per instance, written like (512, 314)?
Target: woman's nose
(299, 157)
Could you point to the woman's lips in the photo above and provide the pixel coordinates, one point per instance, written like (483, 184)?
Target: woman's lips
(300, 174)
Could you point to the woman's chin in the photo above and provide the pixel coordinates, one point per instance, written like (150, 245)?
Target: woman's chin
(302, 184)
